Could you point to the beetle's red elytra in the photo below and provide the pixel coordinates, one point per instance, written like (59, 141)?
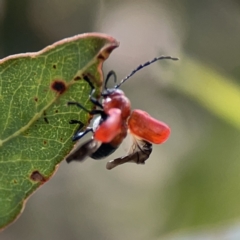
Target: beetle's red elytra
(144, 126)
(110, 127)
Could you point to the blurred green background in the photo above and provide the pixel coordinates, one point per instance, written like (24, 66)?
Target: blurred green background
(190, 187)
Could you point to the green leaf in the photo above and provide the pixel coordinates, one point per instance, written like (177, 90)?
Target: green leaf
(34, 121)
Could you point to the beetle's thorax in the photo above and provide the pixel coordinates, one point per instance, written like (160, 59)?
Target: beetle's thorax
(117, 99)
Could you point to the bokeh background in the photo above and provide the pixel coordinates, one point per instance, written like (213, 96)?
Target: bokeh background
(190, 187)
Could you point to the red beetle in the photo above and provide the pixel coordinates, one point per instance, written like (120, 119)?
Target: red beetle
(115, 121)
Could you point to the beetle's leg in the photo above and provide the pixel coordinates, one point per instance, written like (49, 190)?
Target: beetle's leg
(92, 99)
(78, 134)
(76, 122)
(81, 125)
(93, 112)
(78, 105)
(96, 102)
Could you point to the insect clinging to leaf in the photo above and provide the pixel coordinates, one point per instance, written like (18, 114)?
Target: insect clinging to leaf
(114, 122)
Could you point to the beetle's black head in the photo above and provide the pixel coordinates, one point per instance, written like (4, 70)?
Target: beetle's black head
(111, 91)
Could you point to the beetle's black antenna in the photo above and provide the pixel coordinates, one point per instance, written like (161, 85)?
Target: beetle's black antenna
(142, 66)
(111, 73)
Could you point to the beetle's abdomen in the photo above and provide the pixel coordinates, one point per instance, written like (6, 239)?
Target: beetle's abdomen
(103, 151)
